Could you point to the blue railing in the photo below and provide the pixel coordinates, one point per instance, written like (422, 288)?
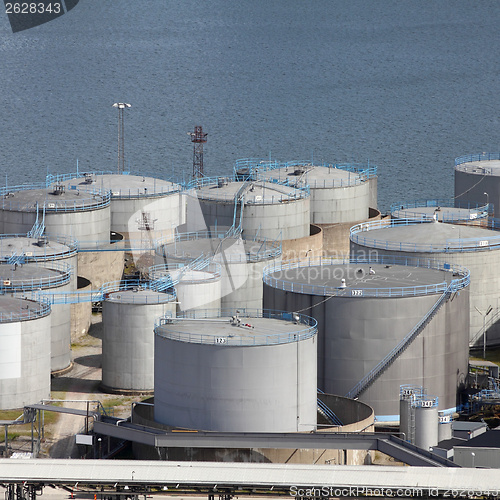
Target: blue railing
(68, 248)
(61, 276)
(90, 199)
(327, 412)
(244, 335)
(359, 231)
(28, 310)
(476, 210)
(172, 274)
(358, 291)
(476, 157)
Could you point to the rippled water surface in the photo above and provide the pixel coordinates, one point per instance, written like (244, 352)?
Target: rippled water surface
(407, 86)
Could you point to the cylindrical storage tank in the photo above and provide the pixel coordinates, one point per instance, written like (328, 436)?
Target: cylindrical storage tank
(426, 422)
(252, 372)
(242, 262)
(129, 311)
(445, 426)
(470, 246)
(138, 203)
(264, 209)
(477, 179)
(407, 394)
(82, 214)
(25, 347)
(367, 310)
(51, 283)
(338, 193)
(441, 210)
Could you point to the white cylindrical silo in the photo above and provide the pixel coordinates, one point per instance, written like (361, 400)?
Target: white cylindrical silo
(82, 214)
(129, 311)
(470, 246)
(252, 372)
(242, 262)
(381, 324)
(25, 347)
(136, 200)
(426, 422)
(262, 209)
(41, 282)
(445, 426)
(407, 395)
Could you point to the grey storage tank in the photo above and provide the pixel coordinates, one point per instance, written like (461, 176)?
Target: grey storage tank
(136, 200)
(260, 208)
(381, 323)
(426, 422)
(242, 262)
(25, 360)
(82, 214)
(476, 248)
(252, 372)
(40, 282)
(338, 193)
(477, 179)
(129, 311)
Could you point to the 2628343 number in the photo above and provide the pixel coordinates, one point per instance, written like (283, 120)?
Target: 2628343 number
(32, 8)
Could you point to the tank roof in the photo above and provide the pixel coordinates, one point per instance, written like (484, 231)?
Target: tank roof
(189, 246)
(124, 186)
(316, 176)
(139, 296)
(384, 278)
(483, 164)
(445, 214)
(13, 309)
(35, 248)
(239, 329)
(413, 236)
(261, 192)
(32, 277)
(29, 199)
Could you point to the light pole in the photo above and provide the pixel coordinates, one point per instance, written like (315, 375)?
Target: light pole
(473, 459)
(121, 135)
(487, 202)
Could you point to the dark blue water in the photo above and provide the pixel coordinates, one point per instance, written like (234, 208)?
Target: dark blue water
(406, 85)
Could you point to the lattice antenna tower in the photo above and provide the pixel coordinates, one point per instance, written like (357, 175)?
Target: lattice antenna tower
(198, 138)
(121, 135)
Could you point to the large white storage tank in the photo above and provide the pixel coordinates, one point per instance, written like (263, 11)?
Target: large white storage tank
(242, 262)
(477, 179)
(129, 311)
(338, 194)
(41, 282)
(381, 324)
(82, 214)
(263, 209)
(25, 346)
(470, 246)
(136, 200)
(252, 372)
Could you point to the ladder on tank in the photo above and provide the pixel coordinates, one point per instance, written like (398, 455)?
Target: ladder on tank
(39, 226)
(370, 377)
(326, 413)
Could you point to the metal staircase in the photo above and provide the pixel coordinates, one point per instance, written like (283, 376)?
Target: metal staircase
(39, 226)
(326, 413)
(370, 377)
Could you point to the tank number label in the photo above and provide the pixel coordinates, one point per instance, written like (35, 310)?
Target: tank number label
(407, 392)
(483, 243)
(220, 340)
(426, 404)
(445, 420)
(356, 293)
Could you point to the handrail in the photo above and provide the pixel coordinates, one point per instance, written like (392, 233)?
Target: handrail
(39, 309)
(67, 241)
(479, 210)
(328, 412)
(251, 338)
(62, 276)
(449, 245)
(476, 157)
(371, 376)
(460, 277)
